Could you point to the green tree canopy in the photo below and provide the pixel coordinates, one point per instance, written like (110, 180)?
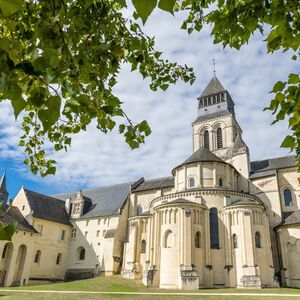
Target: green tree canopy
(59, 62)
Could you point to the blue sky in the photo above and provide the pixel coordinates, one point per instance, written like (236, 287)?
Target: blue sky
(96, 159)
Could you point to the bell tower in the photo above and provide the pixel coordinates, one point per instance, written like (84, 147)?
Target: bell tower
(3, 190)
(217, 129)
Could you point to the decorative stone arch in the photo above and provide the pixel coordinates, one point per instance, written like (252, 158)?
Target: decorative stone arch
(287, 193)
(80, 253)
(218, 135)
(204, 133)
(168, 239)
(19, 265)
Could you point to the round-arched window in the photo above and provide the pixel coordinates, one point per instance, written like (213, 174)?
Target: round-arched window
(257, 240)
(234, 241)
(198, 239)
(81, 253)
(206, 139)
(192, 182)
(288, 199)
(219, 138)
(139, 210)
(221, 182)
(169, 239)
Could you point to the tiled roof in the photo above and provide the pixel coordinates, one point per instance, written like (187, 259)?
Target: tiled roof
(213, 87)
(211, 116)
(13, 214)
(47, 208)
(106, 200)
(294, 218)
(157, 183)
(268, 167)
(200, 155)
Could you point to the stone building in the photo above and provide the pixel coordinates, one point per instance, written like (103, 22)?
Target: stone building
(219, 220)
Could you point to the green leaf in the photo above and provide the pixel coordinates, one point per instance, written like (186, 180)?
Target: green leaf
(288, 142)
(144, 8)
(50, 115)
(293, 78)
(18, 105)
(278, 87)
(6, 232)
(167, 5)
(9, 7)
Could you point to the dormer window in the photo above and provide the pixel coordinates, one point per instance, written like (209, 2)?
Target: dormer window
(192, 182)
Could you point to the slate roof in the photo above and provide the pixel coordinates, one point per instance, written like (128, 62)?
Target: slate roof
(157, 183)
(268, 167)
(13, 214)
(47, 208)
(294, 218)
(106, 200)
(202, 154)
(238, 147)
(213, 87)
(214, 115)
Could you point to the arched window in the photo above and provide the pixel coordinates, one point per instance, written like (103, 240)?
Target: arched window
(220, 181)
(4, 251)
(257, 240)
(288, 200)
(139, 210)
(206, 139)
(234, 241)
(191, 182)
(143, 246)
(198, 239)
(214, 228)
(37, 257)
(169, 239)
(81, 253)
(219, 138)
(58, 259)
(205, 102)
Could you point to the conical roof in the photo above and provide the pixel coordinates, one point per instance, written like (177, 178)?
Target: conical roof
(3, 183)
(213, 87)
(238, 147)
(201, 155)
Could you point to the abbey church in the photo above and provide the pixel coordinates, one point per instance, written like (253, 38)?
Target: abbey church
(219, 220)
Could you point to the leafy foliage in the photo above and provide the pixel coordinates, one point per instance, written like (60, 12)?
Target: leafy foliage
(6, 231)
(59, 62)
(233, 22)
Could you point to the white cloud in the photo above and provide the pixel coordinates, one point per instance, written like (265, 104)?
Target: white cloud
(96, 159)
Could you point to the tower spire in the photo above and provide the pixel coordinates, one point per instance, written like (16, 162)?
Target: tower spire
(214, 66)
(3, 189)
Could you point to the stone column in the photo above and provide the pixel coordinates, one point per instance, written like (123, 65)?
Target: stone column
(208, 273)
(228, 249)
(214, 175)
(285, 275)
(250, 276)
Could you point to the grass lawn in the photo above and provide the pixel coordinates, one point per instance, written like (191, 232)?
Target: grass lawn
(122, 285)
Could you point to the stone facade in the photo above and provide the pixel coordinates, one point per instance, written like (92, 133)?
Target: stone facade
(218, 221)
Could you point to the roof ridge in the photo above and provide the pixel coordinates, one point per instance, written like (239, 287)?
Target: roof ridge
(27, 190)
(283, 156)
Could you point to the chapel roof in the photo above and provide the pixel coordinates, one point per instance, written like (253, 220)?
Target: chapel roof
(107, 200)
(213, 87)
(268, 167)
(13, 214)
(157, 183)
(294, 218)
(201, 155)
(46, 207)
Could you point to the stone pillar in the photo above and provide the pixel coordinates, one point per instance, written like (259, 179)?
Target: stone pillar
(250, 278)
(285, 275)
(11, 266)
(228, 250)
(214, 175)
(208, 273)
(189, 278)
